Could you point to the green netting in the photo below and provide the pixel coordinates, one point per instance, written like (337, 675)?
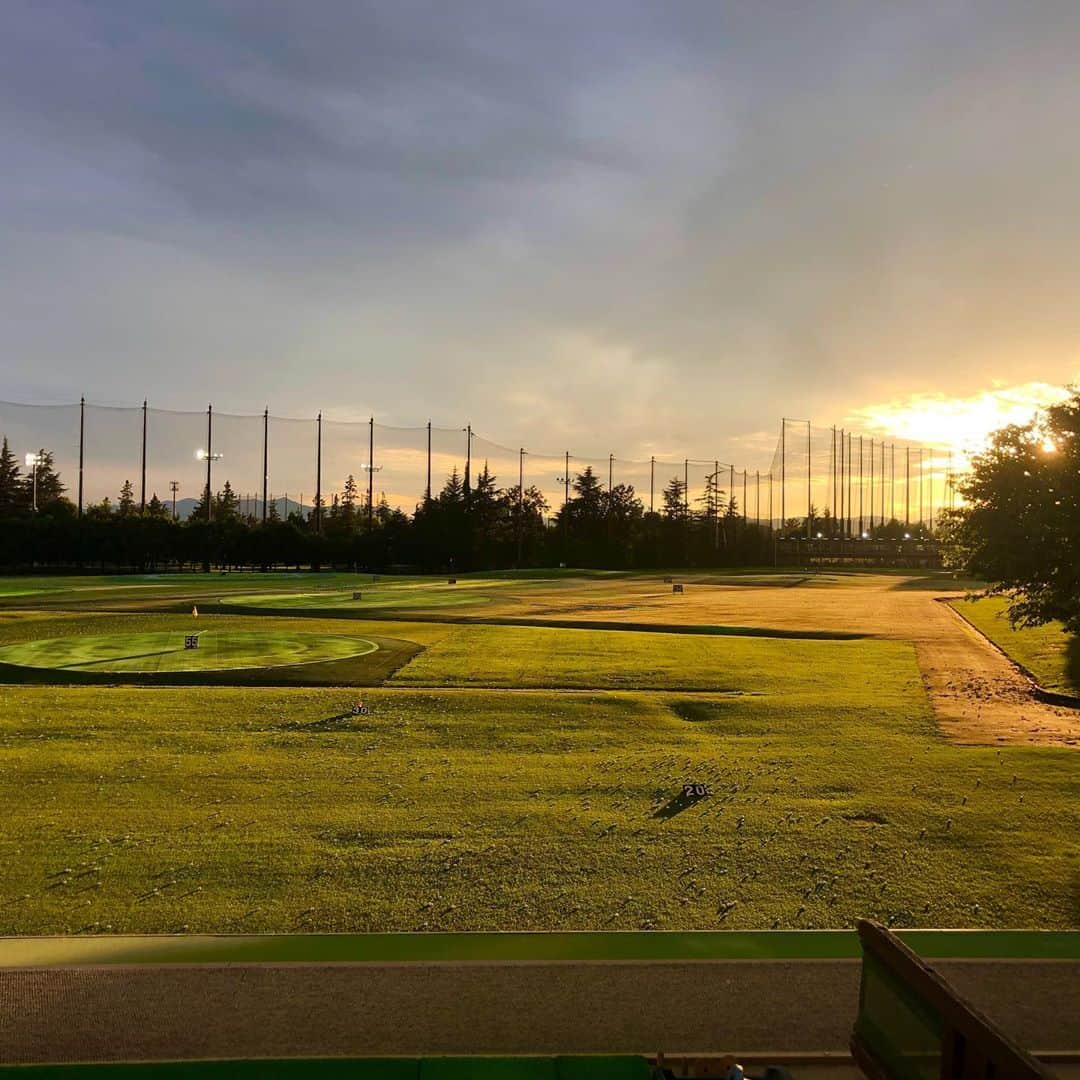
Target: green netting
(851, 481)
(898, 1027)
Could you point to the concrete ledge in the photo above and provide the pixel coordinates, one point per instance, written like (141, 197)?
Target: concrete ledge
(176, 1011)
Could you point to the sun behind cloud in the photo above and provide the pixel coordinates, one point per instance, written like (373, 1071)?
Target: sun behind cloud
(960, 424)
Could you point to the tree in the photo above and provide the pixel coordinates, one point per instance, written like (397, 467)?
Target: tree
(101, 511)
(49, 488)
(1020, 526)
(226, 503)
(10, 487)
(156, 509)
(127, 500)
(675, 500)
(349, 498)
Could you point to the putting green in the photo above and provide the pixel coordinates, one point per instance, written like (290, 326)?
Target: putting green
(218, 650)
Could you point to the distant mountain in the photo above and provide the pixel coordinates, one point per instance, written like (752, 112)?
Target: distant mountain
(285, 507)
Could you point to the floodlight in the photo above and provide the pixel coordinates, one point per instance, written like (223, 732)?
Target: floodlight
(866, 536)
(202, 455)
(820, 536)
(907, 536)
(1049, 446)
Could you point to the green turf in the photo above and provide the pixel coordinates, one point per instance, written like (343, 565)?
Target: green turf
(165, 650)
(214, 809)
(536, 657)
(1050, 654)
(548, 947)
(405, 594)
(508, 778)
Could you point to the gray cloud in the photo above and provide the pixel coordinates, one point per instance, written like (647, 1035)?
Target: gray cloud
(642, 225)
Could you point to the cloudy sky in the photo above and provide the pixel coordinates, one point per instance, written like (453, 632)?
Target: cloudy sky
(647, 227)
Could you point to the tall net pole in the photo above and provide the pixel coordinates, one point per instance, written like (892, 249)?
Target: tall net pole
(652, 483)
(521, 501)
(82, 449)
(783, 471)
(849, 474)
(265, 461)
(809, 477)
(922, 489)
(883, 521)
(870, 492)
(930, 491)
(907, 487)
(209, 457)
(716, 505)
(834, 509)
(142, 464)
(318, 474)
(861, 453)
(468, 464)
(840, 483)
(371, 475)
(427, 489)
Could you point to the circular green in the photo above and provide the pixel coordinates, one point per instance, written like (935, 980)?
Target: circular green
(163, 651)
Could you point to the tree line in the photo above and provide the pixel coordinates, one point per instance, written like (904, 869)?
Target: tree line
(471, 524)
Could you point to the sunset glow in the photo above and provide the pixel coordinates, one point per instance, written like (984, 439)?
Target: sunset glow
(960, 424)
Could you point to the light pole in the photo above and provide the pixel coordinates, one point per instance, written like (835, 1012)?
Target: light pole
(371, 470)
(521, 501)
(174, 487)
(209, 458)
(33, 461)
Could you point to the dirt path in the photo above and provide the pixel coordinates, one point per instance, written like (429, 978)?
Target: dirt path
(977, 694)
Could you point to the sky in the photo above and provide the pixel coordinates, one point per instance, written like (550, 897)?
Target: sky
(647, 228)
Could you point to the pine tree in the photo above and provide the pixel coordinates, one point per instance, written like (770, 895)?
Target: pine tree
(49, 487)
(225, 504)
(675, 500)
(453, 492)
(127, 499)
(272, 513)
(155, 508)
(10, 487)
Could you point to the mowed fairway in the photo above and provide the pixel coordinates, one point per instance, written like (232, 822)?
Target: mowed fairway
(535, 657)
(512, 777)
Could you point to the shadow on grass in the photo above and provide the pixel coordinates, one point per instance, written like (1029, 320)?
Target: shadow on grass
(1072, 663)
(346, 721)
(677, 805)
(389, 615)
(83, 664)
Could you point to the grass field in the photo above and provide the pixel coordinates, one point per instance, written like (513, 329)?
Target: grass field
(166, 650)
(505, 778)
(1050, 654)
